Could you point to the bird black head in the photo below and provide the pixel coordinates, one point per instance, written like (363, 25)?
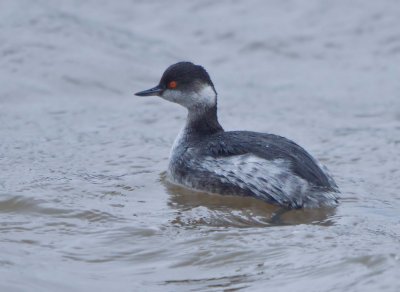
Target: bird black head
(184, 83)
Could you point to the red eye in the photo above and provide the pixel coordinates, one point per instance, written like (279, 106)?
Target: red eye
(172, 85)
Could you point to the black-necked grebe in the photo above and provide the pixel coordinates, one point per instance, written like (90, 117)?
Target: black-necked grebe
(205, 157)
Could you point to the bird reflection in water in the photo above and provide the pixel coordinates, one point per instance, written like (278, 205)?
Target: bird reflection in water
(196, 208)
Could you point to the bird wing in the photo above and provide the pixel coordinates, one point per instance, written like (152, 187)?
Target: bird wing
(269, 147)
(269, 180)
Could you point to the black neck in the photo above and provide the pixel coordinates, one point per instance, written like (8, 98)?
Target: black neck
(203, 121)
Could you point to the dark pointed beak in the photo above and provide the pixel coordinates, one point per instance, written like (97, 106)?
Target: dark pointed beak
(152, 91)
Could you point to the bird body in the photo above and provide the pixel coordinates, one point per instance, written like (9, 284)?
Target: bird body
(207, 158)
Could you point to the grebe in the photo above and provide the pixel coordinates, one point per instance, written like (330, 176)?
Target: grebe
(205, 157)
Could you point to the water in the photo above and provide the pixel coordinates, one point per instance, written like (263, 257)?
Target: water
(84, 204)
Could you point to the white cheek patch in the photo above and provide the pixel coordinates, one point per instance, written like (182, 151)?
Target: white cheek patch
(205, 96)
(173, 95)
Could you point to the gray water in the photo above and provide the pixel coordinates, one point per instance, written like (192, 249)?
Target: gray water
(84, 205)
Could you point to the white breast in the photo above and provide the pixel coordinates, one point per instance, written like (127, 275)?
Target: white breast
(177, 143)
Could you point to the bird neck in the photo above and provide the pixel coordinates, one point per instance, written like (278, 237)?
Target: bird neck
(203, 120)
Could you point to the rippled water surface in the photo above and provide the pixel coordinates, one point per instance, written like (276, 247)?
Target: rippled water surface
(84, 204)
